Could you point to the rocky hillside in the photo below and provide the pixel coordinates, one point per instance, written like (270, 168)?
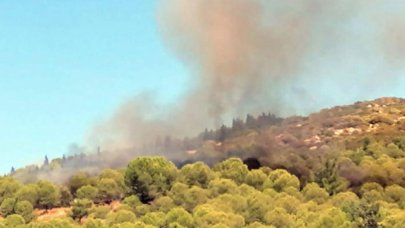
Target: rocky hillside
(303, 144)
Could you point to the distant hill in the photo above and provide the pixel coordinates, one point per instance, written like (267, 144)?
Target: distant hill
(298, 144)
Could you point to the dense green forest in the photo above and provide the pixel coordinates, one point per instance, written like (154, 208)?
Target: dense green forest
(341, 167)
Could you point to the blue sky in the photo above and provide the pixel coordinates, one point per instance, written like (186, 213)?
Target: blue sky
(66, 64)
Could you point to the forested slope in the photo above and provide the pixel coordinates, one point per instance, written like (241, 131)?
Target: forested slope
(340, 167)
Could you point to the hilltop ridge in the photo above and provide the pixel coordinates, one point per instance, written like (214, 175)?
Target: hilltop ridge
(296, 143)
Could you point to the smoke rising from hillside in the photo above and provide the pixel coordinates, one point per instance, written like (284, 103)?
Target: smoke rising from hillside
(235, 50)
(251, 56)
(239, 60)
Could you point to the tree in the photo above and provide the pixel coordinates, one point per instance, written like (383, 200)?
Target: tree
(65, 197)
(46, 161)
(156, 219)
(395, 220)
(207, 216)
(180, 216)
(207, 135)
(99, 212)
(87, 192)
(57, 222)
(332, 217)
(257, 225)
(221, 186)
(257, 206)
(329, 179)
(287, 202)
(198, 174)
(115, 175)
(149, 177)
(348, 202)
(132, 201)
(278, 217)
(177, 192)
(312, 191)
(232, 168)
(163, 204)
(108, 190)
(395, 194)
(188, 198)
(281, 179)
(237, 125)
(370, 186)
(121, 216)
(223, 133)
(94, 223)
(142, 209)
(250, 122)
(14, 221)
(400, 142)
(48, 195)
(12, 171)
(78, 180)
(394, 151)
(256, 178)
(8, 187)
(234, 203)
(25, 209)
(369, 212)
(29, 193)
(7, 206)
(137, 224)
(80, 208)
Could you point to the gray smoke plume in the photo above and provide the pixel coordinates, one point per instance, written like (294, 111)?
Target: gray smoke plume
(248, 56)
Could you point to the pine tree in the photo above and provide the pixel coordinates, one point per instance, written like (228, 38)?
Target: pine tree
(223, 133)
(206, 135)
(237, 125)
(329, 179)
(369, 212)
(98, 152)
(46, 161)
(12, 170)
(250, 121)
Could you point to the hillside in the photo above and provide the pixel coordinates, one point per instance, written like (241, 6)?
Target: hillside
(340, 167)
(298, 144)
